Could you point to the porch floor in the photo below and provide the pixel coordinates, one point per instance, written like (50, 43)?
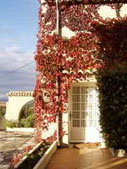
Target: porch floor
(97, 158)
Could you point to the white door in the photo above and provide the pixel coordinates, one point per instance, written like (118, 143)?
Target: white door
(83, 113)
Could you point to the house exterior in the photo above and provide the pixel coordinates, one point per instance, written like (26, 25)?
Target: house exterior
(81, 121)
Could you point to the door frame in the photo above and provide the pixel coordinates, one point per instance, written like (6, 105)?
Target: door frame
(90, 84)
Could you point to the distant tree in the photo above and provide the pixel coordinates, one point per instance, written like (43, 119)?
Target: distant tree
(2, 111)
(26, 118)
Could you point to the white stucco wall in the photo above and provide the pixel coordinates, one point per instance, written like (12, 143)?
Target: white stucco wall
(16, 100)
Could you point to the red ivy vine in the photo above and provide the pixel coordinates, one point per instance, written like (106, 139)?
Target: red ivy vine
(65, 59)
(113, 53)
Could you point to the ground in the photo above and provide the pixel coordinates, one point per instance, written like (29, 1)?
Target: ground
(12, 143)
(64, 158)
(97, 158)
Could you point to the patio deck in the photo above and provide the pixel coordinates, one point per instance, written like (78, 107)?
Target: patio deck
(12, 143)
(97, 158)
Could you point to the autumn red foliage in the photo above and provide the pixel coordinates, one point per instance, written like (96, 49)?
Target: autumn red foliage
(59, 60)
(113, 43)
(17, 157)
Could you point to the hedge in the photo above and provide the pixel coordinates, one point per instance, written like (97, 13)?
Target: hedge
(112, 88)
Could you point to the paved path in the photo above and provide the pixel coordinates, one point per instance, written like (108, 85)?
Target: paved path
(2, 123)
(70, 158)
(10, 144)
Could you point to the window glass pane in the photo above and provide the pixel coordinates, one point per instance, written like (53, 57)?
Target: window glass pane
(83, 123)
(83, 106)
(83, 114)
(91, 123)
(76, 106)
(86, 90)
(76, 90)
(83, 90)
(90, 115)
(90, 107)
(76, 123)
(76, 98)
(76, 114)
(84, 98)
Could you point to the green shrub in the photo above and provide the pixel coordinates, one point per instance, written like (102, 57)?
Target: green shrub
(26, 111)
(11, 124)
(26, 122)
(113, 107)
(2, 111)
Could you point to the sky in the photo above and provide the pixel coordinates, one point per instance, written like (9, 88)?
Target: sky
(18, 29)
